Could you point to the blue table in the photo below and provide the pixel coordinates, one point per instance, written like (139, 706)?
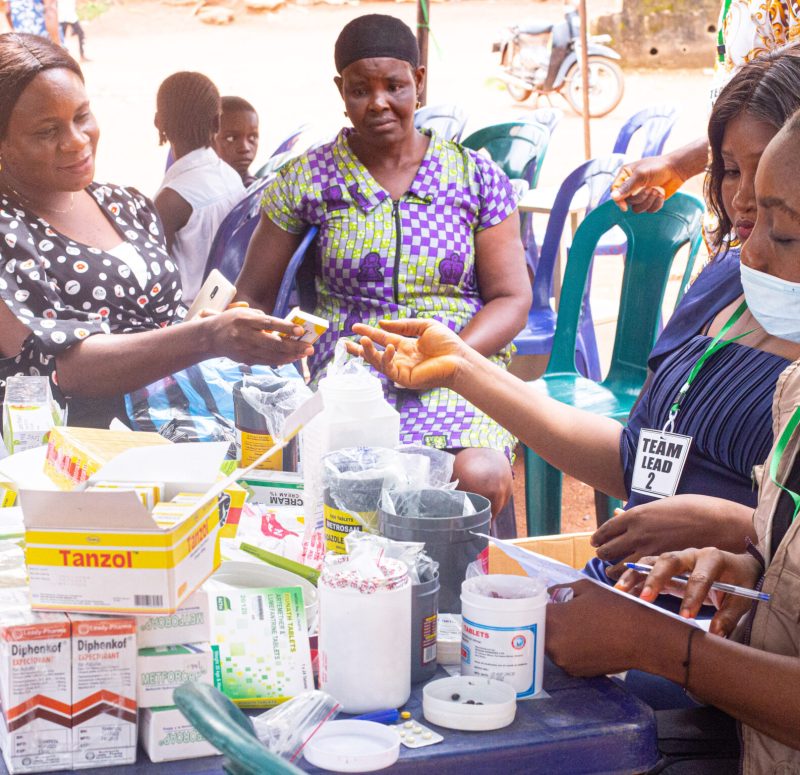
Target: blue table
(585, 726)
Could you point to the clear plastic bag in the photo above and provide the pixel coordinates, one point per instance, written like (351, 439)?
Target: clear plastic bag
(286, 728)
(274, 397)
(439, 466)
(421, 567)
(427, 503)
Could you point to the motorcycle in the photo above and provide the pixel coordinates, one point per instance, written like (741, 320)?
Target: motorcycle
(543, 58)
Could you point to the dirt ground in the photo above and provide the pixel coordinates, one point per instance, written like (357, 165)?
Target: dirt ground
(282, 62)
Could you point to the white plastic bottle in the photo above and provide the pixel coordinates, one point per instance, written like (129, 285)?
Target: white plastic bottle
(502, 634)
(355, 415)
(365, 635)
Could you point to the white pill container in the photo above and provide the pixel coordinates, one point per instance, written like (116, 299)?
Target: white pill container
(502, 634)
(365, 635)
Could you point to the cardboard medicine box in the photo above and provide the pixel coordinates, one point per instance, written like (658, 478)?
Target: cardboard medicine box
(167, 736)
(103, 551)
(189, 624)
(163, 669)
(35, 691)
(103, 690)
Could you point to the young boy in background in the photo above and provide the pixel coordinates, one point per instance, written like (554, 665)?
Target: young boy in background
(237, 139)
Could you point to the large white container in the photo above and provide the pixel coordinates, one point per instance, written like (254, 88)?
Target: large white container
(355, 415)
(502, 634)
(365, 635)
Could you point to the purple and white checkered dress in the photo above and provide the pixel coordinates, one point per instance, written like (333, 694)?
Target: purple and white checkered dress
(379, 259)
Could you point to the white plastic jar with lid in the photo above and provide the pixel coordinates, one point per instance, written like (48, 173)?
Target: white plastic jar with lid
(502, 635)
(365, 634)
(355, 415)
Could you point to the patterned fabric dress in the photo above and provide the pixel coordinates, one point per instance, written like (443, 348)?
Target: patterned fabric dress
(750, 28)
(415, 257)
(28, 16)
(65, 291)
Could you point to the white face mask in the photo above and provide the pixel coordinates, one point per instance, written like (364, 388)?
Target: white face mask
(775, 303)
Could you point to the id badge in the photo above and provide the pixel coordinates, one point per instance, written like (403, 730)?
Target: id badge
(660, 457)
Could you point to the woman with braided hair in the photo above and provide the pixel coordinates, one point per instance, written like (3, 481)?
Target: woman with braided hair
(199, 189)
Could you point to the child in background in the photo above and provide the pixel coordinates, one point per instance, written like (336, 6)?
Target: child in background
(68, 17)
(237, 139)
(199, 189)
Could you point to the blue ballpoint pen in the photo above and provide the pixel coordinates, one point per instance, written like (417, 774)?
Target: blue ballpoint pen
(730, 589)
(380, 716)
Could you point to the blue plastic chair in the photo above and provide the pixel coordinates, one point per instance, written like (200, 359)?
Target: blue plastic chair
(653, 239)
(656, 122)
(233, 235)
(297, 287)
(447, 121)
(537, 337)
(283, 152)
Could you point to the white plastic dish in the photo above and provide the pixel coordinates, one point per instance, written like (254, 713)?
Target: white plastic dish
(353, 746)
(469, 702)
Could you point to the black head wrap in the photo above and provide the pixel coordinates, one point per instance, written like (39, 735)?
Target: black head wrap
(375, 35)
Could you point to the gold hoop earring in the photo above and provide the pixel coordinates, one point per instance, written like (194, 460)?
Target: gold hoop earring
(345, 113)
(419, 104)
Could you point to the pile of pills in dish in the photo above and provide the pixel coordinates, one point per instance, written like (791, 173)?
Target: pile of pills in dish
(416, 735)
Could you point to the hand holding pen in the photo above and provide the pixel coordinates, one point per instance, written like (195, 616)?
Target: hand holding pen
(700, 569)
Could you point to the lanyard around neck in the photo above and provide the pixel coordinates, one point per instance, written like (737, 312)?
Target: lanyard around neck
(717, 343)
(780, 448)
(720, 31)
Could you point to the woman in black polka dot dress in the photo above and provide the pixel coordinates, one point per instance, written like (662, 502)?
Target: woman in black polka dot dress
(90, 292)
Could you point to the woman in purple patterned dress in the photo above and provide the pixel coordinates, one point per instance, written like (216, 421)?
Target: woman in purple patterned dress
(410, 225)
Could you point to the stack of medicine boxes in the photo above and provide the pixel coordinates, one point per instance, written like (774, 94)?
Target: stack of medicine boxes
(69, 681)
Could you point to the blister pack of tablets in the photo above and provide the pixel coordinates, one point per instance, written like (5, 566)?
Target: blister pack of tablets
(416, 735)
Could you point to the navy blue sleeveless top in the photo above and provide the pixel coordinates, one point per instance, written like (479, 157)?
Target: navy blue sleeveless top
(727, 411)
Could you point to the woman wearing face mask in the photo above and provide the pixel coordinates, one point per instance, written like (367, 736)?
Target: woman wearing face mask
(748, 664)
(725, 411)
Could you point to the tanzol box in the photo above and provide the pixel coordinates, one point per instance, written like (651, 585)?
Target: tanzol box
(103, 690)
(189, 624)
(35, 690)
(104, 552)
(166, 736)
(163, 669)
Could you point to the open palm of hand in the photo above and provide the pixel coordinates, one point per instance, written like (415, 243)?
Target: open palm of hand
(417, 354)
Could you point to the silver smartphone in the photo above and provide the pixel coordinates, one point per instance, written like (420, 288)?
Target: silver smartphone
(216, 294)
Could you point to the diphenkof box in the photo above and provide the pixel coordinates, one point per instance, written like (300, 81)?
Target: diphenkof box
(103, 551)
(189, 624)
(35, 691)
(163, 669)
(166, 736)
(103, 691)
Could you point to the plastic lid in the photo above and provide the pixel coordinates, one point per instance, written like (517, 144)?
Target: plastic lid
(469, 702)
(345, 572)
(504, 591)
(347, 388)
(353, 746)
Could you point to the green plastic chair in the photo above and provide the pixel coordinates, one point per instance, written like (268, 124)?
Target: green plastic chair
(653, 242)
(220, 722)
(517, 147)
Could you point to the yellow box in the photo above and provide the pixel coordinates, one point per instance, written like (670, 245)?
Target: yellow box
(104, 552)
(313, 325)
(76, 454)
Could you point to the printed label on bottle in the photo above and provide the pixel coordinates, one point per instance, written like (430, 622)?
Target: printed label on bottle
(429, 639)
(503, 653)
(252, 445)
(339, 523)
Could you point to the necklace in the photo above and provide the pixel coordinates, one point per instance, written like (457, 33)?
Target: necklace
(33, 204)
